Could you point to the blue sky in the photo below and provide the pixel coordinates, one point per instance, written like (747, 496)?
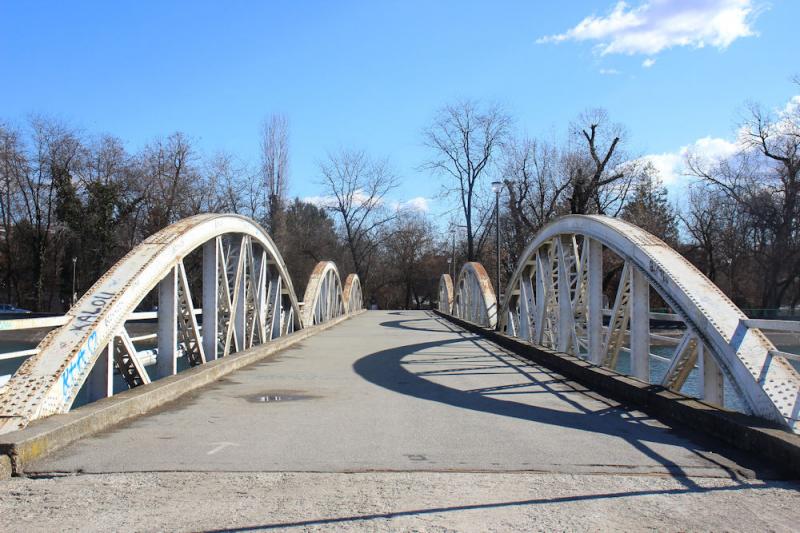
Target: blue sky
(370, 75)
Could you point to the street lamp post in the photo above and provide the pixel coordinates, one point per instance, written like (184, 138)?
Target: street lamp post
(453, 257)
(497, 186)
(74, 261)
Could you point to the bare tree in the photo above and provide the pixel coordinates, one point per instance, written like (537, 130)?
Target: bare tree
(47, 191)
(465, 139)
(313, 238)
(357, 186)
(229, 186)
(536, 190)
(408, 249)
(13, 166)
(597, 175)
(169, 174)
(275, 167)
(763, 178)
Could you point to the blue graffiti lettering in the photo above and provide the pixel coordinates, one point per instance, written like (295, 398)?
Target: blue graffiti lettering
(77, 366)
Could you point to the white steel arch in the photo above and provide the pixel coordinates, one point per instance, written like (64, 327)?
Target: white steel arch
(352, 295)
(474, 299)
(247, 299)
(445, 294)
(323, 299)
(556, 299)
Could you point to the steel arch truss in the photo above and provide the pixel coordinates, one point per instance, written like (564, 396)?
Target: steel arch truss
(324, 297)
(352, 295)
(474, 298)
(556, 299)
(246, 296)
(446, 294)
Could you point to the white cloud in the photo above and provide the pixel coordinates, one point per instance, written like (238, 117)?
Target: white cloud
(672, 165)
(649, 62)
(320, 201)
(792, 106)
(669, 165)
(609, 71)
(418, 203)
(708, 151)
(655, 25)
(330, 201)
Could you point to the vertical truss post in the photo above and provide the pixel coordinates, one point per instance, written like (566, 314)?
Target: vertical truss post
(262, 304)
(566, 315)
(526, 307)
(275, 304)
(167, 324)
(254, 327)
(551, 322)
(640, 326)
(210, 298)
(328, 294)
(100, 383)
(543, 286)
(240, 297)
(225, 310)
(711, 382)
(594, 319)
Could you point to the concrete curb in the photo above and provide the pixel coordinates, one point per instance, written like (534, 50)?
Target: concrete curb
(47, 435)
(748, 433)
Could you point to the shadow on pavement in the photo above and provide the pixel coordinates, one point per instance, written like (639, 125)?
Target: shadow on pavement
(387, 369)
(518, 503)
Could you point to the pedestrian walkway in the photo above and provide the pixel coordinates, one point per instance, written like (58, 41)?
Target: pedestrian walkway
(395, 391)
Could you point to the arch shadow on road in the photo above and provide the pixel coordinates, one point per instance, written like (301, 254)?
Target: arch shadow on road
(386, 369)
(479, 506)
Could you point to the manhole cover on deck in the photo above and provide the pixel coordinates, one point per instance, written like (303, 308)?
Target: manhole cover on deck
(278, 396)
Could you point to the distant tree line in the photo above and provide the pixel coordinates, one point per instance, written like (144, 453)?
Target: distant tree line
(739, 222)
(72, 200)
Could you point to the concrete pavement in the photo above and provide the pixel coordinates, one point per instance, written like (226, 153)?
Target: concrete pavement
(397, 391)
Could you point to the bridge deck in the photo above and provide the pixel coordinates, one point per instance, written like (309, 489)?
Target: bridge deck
(401, 391)
(387, 392)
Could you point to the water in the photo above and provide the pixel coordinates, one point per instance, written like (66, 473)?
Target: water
(658, 368)
(9, 366)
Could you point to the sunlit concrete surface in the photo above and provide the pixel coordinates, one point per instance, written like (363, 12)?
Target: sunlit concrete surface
(394, 501)
(396, 391)
(396, 421)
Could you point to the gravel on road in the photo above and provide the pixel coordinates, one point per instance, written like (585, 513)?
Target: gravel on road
(392, 501)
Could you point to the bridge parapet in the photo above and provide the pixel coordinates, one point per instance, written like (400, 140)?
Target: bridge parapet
(584, 286)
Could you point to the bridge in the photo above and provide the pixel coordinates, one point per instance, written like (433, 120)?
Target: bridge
(611, 377)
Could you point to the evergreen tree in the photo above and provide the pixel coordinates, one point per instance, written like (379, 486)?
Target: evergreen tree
(649, 209)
